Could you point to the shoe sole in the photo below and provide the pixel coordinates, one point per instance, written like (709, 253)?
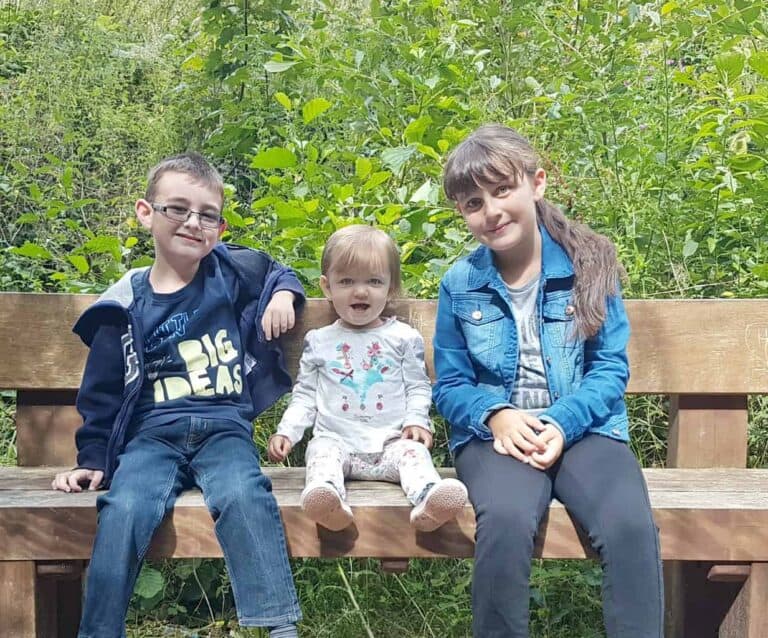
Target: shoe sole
(324, 506)
(439, 506)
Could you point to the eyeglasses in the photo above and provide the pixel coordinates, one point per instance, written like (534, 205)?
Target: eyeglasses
(208, 219)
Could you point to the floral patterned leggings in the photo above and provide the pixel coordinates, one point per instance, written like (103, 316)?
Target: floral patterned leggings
(402, 461)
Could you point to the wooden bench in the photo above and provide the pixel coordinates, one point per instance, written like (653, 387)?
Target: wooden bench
(708, 356)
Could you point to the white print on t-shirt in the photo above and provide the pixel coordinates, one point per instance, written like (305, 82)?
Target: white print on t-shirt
(199, 356)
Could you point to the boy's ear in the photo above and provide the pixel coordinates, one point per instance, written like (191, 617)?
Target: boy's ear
(222, 228)
(144, 213)
(539, 183)
(325, 287)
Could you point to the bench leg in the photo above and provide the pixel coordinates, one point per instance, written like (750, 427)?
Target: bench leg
(59, 597)
(748, 617)
(695, 606)
(18, 594)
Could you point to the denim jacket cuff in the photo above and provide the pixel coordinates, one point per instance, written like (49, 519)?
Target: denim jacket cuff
(548, 419)
(562, 418)
(482, 422)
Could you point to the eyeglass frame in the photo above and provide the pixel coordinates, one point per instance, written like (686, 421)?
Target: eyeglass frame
(163, 210)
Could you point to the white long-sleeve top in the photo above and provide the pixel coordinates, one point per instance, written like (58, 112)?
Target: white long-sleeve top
(359, 386)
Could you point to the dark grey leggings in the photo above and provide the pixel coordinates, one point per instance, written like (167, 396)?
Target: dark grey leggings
(600, 483)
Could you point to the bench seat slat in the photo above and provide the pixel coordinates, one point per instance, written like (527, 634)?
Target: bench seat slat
(717, 515)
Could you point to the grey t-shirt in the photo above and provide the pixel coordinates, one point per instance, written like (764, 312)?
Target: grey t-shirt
(531, 392)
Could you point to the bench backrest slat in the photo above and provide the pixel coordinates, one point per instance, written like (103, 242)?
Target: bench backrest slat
(677, 347)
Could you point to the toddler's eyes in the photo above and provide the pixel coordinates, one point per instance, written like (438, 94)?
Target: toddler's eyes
(503, 189)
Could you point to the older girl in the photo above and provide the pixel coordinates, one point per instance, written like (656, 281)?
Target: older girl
(531, 364)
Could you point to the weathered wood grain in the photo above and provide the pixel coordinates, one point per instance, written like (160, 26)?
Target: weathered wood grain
(718, 515)
(18, 591)
(748, 617)
(677, 346)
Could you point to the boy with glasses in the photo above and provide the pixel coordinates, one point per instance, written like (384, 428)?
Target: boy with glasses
(182, 358)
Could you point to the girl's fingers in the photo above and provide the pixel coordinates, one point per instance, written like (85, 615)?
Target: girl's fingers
(523, 443)
(513, 450)
(533, 439)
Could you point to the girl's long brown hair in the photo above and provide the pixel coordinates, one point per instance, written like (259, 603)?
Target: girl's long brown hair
(494, 153)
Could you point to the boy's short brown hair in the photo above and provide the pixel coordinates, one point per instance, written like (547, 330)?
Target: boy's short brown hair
(190, 163)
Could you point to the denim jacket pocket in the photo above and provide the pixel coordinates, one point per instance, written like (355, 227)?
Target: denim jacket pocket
(557, 319)
(567, 349)
(482, 323)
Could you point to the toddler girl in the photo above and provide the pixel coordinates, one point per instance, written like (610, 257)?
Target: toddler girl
(362, 384)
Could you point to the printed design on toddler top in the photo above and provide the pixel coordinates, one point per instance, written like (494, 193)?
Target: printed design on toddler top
(360, 379)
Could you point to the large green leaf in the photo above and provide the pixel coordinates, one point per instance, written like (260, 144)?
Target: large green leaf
(758, 60)
(395, 158)
(313, 108)
(29, 249)
(149, 583)
(274, 66)
(275, 157)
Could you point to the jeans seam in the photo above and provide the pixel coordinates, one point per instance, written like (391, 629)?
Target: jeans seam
(161, 505)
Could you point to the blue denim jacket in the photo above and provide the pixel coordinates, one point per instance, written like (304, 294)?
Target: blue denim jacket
(476, 351)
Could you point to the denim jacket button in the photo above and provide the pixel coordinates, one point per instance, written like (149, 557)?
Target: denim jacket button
(477, 315)
(616, 432)
(569, 309)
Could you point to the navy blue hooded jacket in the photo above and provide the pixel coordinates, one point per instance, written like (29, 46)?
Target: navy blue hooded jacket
(114, 371)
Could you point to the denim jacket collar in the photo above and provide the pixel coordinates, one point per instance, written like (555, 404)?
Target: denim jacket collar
(555, 263)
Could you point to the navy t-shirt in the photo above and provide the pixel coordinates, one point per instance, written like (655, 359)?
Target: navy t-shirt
(193, 361)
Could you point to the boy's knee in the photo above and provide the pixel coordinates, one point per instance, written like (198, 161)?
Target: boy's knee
(126, 505)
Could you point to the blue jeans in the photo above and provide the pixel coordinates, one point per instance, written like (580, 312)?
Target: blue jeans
(601, 485)
(157, 464)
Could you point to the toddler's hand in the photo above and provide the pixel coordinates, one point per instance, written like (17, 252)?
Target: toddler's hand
(279, 315)
(516, 433)
(70, 481)
(555, 444)
(279, 448)
(417, 433)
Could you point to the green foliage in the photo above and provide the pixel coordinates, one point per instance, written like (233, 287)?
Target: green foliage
(651, 120)
(74, 139)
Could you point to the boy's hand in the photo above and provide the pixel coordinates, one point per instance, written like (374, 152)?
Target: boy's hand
(555, 444)
(516, 434)
(71, 480)
(417, 433)
(279, 448)
(279, 316)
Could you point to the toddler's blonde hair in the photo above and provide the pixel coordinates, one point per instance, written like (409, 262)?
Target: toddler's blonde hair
(358, 246)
